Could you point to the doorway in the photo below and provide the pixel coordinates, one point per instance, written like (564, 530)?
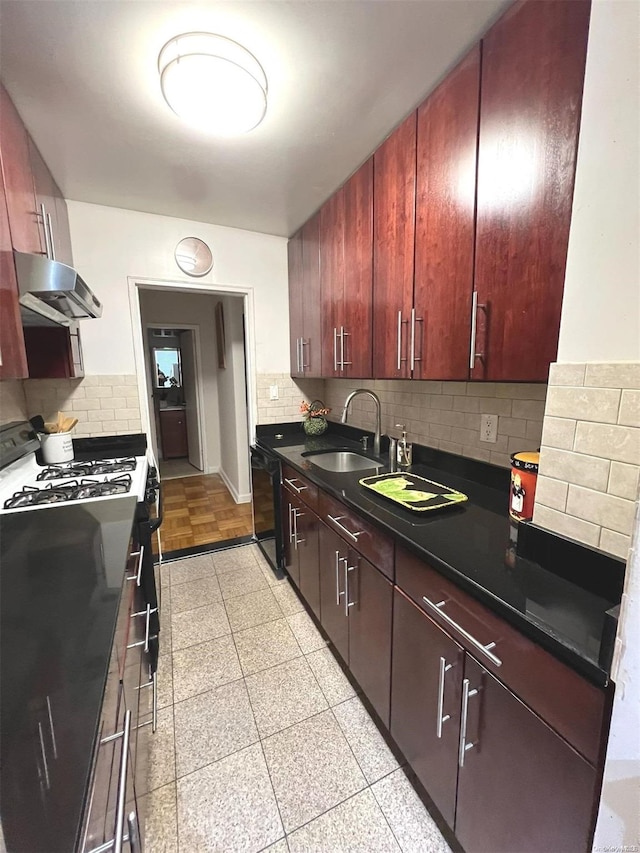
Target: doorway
(205, 473)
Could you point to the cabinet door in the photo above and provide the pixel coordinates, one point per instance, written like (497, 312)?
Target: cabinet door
(62, 233)
(289, 506)
(355, 348)
(521, 787)
(332, 280)
(308, 547)
(445, 207)
(533, 63)
(311, 311)
(49, 352)
(13, 356)
(296, 300)
(370, 597)
(46, 192)
(394, 187)
(24, 223)
(333, 606)
(426, 688)
(173, 429)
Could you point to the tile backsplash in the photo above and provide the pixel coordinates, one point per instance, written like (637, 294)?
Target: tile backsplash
(286, 409)
(446, 415)
(104, 405)
(13, 404)
(590, 456)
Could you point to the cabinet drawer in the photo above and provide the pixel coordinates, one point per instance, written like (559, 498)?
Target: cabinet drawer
(566, 701)
(361, 535)
(300, 486)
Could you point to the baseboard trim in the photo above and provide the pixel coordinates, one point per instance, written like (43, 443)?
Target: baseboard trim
(237, 496)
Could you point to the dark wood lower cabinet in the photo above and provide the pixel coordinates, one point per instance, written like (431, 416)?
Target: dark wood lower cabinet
(333, 572)
(522, 788)
(423, 690)
(173, 431)
(370, 606)
(307, 544)
(290, 506)
(502, 779)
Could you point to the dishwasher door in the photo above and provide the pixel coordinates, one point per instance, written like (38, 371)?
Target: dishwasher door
(265, 491)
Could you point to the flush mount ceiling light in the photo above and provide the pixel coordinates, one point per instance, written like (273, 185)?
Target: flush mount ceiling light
(213, 82)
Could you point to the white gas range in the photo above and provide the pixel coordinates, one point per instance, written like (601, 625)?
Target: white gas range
(27, 485)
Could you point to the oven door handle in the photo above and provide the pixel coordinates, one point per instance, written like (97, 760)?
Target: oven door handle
(155, 523)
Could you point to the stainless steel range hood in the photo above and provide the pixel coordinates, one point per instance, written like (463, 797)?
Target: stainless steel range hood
(52, 293)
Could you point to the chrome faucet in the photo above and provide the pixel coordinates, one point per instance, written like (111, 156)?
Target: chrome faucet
(376, 400)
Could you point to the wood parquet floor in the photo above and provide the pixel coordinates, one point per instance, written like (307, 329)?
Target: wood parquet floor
(200, 511)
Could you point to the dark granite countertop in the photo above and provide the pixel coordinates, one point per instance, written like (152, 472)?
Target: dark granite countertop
(62, 571)
(555, 591)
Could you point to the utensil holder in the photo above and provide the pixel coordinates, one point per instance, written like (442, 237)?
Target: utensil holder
(57, 447)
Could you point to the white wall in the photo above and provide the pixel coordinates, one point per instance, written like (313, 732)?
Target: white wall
(173, 308)
(601, 323)
(234, 436)
(601, 307)
(111, 244)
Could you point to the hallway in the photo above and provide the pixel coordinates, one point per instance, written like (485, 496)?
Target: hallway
(199, 511)
(262, 742)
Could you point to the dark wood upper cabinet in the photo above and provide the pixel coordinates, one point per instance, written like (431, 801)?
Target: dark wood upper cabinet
(439, 332)
(311, 347)
(356, 321)
(533, 62)
(394, 187)
(296, 303)
(13, 363)
(24, 222)
(332, 279)
(521, 787)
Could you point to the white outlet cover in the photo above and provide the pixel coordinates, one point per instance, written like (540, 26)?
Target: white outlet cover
(273, 392)
(489, 428)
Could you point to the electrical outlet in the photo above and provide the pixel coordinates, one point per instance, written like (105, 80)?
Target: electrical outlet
(273, 393)
(489, 428)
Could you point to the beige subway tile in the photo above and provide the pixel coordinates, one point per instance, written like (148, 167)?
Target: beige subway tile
(450, 447)
(501, 459)
(122, 390)
(496, 406)
(625, 374)
(571, 374)
(466, 404)
(113, 403)
(132, 403)
(614, 543)
(455, 389)
(621, 443)
(629, 414)
(623, 480)
(86, 405)
(512, 426)
(440, 431)
(459, 435)
(530, 410)
(109, 414)
(589, 471)
(135, 425)
(521, 391)
(80, 414)
(128, 414)
(477, 453)
(129, 379)
(96, 392)
(559, 433)
(481, 389)
(78, 393)
(551, 493)
(427, 386)
(121, 426)
(566, 525)
(534, 433)
(95, 417)
(605, 510)
(585, 404)
(91, 381)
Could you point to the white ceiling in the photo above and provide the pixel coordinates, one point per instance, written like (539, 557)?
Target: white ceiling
(83, 75)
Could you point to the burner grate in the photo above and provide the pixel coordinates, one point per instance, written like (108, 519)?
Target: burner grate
(72, 490)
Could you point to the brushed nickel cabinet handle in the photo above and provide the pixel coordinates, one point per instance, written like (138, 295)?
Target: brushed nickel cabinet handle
(463, 746)
(485, 650)
(399, 340)
(337, 519)
(444, 667)
(337, 567)
(291, 483)
(138, 575)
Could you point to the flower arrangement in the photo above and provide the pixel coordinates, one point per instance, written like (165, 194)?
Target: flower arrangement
(315, 420)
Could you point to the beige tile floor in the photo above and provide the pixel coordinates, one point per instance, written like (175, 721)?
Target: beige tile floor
(262, 743)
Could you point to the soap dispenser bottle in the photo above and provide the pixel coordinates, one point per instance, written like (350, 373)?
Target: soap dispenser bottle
(404, 448)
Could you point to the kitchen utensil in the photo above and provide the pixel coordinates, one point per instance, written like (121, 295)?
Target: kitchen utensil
(37, 422)
(69, 424)
(51, 427)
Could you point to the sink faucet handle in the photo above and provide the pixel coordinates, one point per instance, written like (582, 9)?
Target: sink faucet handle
(401, 426)
(364, 441)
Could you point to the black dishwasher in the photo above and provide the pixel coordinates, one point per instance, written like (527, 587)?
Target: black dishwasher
(265, 491)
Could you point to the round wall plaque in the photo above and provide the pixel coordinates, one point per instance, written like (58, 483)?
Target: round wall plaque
(194, 257)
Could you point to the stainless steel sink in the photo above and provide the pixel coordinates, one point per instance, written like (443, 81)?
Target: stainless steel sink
(341, 461)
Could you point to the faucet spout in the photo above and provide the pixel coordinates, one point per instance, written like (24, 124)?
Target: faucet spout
(376, 400)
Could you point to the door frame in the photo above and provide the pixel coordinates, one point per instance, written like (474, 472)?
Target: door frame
(199, 388)
(138, 283)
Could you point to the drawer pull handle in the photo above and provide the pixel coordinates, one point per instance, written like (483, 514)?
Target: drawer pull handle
(53, 734)
(337, 519)
(153, 722)
(347, 603)
(138, 575)
(43, 751)
(147, 614)
(118, 834)
(444, 667)
(485, 650)
(464, 746)
(294, 487)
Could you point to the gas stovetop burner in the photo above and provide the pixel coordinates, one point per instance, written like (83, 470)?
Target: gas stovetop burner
(84, 469)
(69, 491)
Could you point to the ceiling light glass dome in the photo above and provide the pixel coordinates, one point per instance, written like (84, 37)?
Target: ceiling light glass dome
(213, 83)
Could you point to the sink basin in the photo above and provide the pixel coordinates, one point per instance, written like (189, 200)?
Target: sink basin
(341, 460)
